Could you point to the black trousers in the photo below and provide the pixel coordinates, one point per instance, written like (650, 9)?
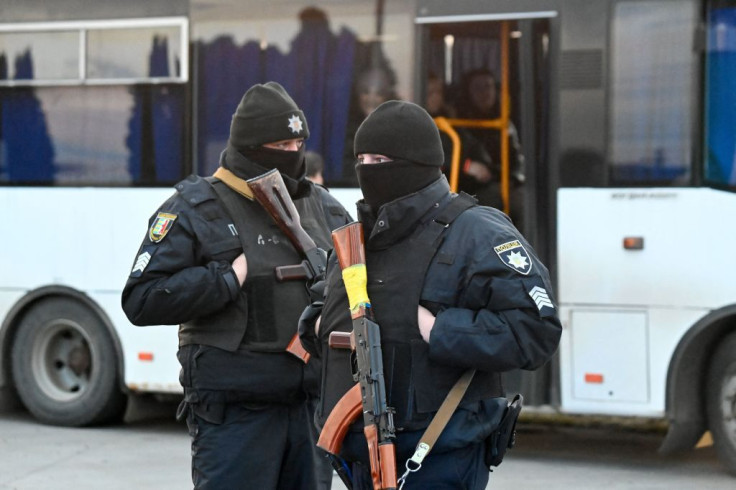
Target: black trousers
(268, 447)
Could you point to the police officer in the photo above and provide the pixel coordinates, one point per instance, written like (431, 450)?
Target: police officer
(207, 264)
(454, 286)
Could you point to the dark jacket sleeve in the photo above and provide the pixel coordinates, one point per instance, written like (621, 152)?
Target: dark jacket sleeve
(501, 317)
(169, 284)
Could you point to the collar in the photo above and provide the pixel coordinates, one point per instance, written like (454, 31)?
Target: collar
(397, 219)
(234, 182)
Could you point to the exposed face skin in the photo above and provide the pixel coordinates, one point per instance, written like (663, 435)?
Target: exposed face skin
(369, 100)
(369, 158)
(373, 90)
(435, 96)
(317, 178)
(285, 145)
(482, 90)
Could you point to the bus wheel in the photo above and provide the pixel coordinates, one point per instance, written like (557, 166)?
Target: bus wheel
(721, 398)
(65, 365)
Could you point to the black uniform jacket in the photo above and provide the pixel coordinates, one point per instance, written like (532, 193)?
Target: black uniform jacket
(183, 275)
(491, 295)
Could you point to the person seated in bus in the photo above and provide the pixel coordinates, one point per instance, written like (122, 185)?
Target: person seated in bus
(478, 99)
(315, 165)
(474, 174)
(373, 86)
(207, 264)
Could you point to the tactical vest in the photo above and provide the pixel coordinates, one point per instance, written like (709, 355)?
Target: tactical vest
(415, 385)
(265, 316)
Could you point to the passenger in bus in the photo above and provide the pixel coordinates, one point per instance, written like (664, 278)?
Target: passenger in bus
(478, 99)
(373, 87)
(453, 286)
(207, 264)
(315, 165)
(474, 174)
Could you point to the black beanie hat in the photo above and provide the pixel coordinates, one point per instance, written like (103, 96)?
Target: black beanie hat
(403, 131)
(266, 114)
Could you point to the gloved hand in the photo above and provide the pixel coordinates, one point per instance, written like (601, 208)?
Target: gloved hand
(306, 330)
(317, 290)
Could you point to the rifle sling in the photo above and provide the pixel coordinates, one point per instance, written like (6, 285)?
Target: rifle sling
(234, 182)
(230, 200)
(442, 417)
(432, 236)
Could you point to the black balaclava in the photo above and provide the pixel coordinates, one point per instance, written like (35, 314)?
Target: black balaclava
(385, 182)
(404, 132)
(266, 114)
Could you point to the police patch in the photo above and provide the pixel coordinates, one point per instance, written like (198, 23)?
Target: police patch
(141, 262)
(295, 124)
(161, 226)
(514, 256)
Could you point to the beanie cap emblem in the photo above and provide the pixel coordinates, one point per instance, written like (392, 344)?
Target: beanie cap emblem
(295, 124)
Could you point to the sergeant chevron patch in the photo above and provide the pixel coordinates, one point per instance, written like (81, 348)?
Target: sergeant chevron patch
(541, 298)
(142, 261)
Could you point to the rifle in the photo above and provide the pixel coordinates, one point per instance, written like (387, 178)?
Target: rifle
(269, 190)
(369, 394)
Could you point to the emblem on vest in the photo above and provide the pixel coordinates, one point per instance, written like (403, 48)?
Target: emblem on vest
(514, 256)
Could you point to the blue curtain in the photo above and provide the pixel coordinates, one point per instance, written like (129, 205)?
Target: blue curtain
(317, 72)
(721, 98)
(28, 149)
(156, 127)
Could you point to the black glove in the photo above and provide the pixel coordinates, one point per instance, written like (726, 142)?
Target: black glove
(317, 291)
(307, 321)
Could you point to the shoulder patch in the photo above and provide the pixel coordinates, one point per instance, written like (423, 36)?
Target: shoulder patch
(141, 262)
(514, 256)
(161, 226)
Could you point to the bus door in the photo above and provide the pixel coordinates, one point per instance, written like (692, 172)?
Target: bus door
(485, 80)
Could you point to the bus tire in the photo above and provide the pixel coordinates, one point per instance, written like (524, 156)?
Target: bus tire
(65, 365)
(721, 400)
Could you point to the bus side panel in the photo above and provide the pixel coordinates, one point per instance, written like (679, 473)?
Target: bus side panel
(625, 311)
(149, 353)
(682, 264)
(87, 240)
(614, 360)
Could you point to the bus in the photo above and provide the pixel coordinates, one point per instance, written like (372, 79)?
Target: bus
(615, 156)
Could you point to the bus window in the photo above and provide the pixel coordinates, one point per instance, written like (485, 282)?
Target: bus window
(110, 114)
(336, 61)
(720, 98)
(651, 85)
(56, 55)
(124, 53)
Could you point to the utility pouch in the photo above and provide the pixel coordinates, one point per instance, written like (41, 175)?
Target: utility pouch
(504, 436)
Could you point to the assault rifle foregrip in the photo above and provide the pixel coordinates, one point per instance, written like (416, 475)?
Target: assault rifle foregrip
(270, 191)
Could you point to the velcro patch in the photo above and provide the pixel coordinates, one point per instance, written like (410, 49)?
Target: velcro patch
(161, 226)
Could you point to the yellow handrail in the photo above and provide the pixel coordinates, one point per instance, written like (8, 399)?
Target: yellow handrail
(445, 126)
(501, 123)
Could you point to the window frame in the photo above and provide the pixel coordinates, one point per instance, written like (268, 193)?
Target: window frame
(82, 28)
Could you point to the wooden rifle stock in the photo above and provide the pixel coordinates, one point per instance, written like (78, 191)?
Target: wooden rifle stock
(369, 394)
(270, 191)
